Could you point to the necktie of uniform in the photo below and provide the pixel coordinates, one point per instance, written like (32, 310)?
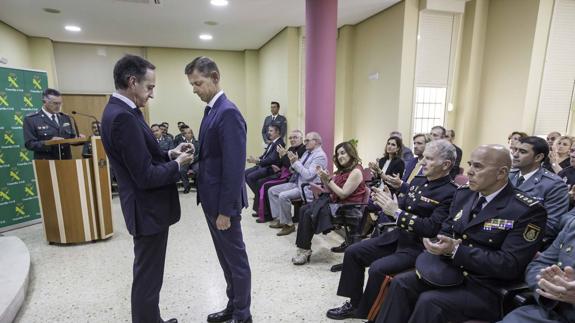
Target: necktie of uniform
(55, 120)
(478, 205)
(520, 181)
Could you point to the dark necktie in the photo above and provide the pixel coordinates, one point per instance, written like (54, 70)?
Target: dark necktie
(207, 110)
(55, 120)
(520, 181)
(478, 205)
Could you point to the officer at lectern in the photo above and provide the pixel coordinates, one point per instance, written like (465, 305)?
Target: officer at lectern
(49, 123)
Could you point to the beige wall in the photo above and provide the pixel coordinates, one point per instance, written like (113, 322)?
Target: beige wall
(174, 99)
(14, 47)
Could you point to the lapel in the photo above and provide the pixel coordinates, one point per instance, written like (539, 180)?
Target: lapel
(50, 122)
(532, 181)
(465, 217)
(138, 116)
(207, 120)
(490, 211)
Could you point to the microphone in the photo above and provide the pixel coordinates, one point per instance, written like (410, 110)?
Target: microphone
(88, 116)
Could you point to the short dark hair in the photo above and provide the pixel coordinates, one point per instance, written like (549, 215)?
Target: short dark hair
(130, 65)
(154, 125)
(184, 126)
(204, 65)
(539, 145)
(47, 92)
(276, 127)
(520, 133)
(276, 103)
(165, 123)
(181, 123)
(452, 132)
(354, 159)
(442, 129)
(399, 144)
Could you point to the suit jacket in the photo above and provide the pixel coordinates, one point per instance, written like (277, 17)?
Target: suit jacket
(396, 166)
(408, 169)
(270, 155)
(146, 176)
(306, 172)
(550, 190)
(221, 187)
(38, 127)
(280, 120)
(499, 242)
(406, 154)
(455, 169)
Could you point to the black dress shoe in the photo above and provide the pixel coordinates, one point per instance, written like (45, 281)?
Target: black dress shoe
(221, 316)
(346, 311)
(339, 249)
(171, 321)
(248, 320)
(336, 268)
(255, 215)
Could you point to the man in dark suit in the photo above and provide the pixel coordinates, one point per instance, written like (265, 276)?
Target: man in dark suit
(48, 123)
(146, 178)
(274, 118)
(221, 187)
(451, 137)
(492, 233)
(263, 165)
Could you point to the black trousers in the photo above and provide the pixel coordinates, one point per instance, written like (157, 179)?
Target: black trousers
(149, 260)
(382, 258)
(305, 229)
(410, 299)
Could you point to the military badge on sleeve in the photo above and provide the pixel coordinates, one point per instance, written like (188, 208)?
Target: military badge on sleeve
(531, 232)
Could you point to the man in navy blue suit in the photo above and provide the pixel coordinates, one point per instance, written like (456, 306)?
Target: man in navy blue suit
(146, 178)
(221, 187)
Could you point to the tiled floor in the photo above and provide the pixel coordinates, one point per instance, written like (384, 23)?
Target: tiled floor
(91, 282)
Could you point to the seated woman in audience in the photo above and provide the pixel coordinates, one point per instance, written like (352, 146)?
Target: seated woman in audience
(346, 186)
(559, 155)
(391, 163)
(283, 174)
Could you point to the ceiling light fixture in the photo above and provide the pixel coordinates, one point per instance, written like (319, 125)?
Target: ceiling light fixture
(206, 37)
(73, 28)
(219, 3)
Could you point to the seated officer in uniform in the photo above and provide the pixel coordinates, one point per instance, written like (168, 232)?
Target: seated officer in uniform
(552, 277)
(419, 213)
(48, 123)
(539, 183)
(492, 233)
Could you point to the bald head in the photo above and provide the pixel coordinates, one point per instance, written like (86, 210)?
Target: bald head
(489, 168)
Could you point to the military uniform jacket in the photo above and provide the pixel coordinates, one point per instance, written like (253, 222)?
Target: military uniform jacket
(498, 242)
(550, 190)
(38, 127)
(423, 210)
(562, 254)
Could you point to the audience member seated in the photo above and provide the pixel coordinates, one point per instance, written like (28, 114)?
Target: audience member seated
(412, 168)
(406, 153)
(492, 233)
(391, 163)
(164, 126)
(165, 142)
(455, 169)
(304, 171)
(552, 278)
(512, 139)
(568, 176)
(264, 163)
(282, 174)
(559, 155)
(539, 183)
(438, 133)
(87, 148)
(188, 137)
(346, 186)
(417, 214)
(179, 137)
(551, 137)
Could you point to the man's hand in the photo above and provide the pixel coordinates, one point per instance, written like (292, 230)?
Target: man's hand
(276, 168)
(81, 135)
(443, 246)
(281, 151)
(292, 157)
(385, 200)
(223, 222)
(182, 148)
(394, 181)
(252, 160)
(56, 138)
(185, 159)
(557, 284)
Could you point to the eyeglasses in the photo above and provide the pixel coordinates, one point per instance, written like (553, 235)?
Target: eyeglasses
(308, 140)
(292, 137)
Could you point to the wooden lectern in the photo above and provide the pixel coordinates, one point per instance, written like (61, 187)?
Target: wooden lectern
(75, 196)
